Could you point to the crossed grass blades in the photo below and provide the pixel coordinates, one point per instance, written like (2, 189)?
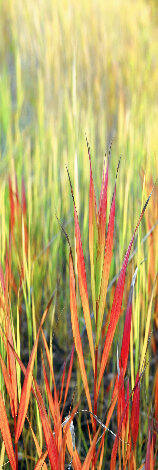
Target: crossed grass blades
(59, 431)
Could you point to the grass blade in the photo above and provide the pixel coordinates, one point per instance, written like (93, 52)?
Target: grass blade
(38, 448)
(117, 302)
(93, 233)
(101, 235)
(5, 431)
(82, 279)
(90, 455)
(127, 327)
(41, 461)
(106, 267)
(145, 342)
(134, 423)
(48, 434)
(8, 385)
(76, 331)
(25, 394)
(68, 378)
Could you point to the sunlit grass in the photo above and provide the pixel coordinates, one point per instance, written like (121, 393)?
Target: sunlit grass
(68, 68)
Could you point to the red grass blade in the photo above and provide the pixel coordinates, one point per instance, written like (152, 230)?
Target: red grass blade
(106, 267)
(12, 208)
(76, 331)
(123, 418)
(82, 279)
(49, 438)
(117, 302)
(2, 280)
(12, 366)
(48, 434)
(5, 431)
(93, 232)
(8, 385)
(101, 235)
(127, 327)
(25, 394)
(125, 347)
(147, 460)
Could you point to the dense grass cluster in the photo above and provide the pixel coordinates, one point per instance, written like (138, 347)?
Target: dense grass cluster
(66, 68)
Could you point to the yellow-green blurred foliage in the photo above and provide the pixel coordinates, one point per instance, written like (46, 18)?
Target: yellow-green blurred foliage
(68, 67)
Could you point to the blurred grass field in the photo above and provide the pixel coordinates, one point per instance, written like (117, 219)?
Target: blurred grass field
(67, 68)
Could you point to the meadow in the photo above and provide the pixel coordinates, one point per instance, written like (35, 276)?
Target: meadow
(73, 74)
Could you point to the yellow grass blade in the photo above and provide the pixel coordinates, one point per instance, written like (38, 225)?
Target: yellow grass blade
(147, 325)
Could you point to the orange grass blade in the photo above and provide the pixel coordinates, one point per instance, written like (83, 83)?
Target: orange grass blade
(52, 451)
(68, 378)
(25, 394)
(101, 453)
(106, 248)
(48, 358)
(38, 448)
(12, 208)
(68, 439)
(115, 446)
(148, 319)
(48, 434)
(76, 331)
(134, 422)
(117, 302)
(93, 232)
(82, 279)
(62, 382)
(147, 460)
(6, 284)
(156, 396)
(113, 402)
(106, 267)
(127, 327)
(41, 461)
(49, 395)
(5, 431)
(76, 460)
(101, 234)
(2, 280)
(125, 347)
(8, 385)
(12, 366)
(90, 455)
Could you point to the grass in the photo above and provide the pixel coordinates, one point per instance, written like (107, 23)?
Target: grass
(66, 69)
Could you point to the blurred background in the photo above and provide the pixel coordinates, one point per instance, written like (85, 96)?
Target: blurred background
(67, 68)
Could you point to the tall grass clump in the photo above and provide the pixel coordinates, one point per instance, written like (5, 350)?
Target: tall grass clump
(67, 67)
(24, 405)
